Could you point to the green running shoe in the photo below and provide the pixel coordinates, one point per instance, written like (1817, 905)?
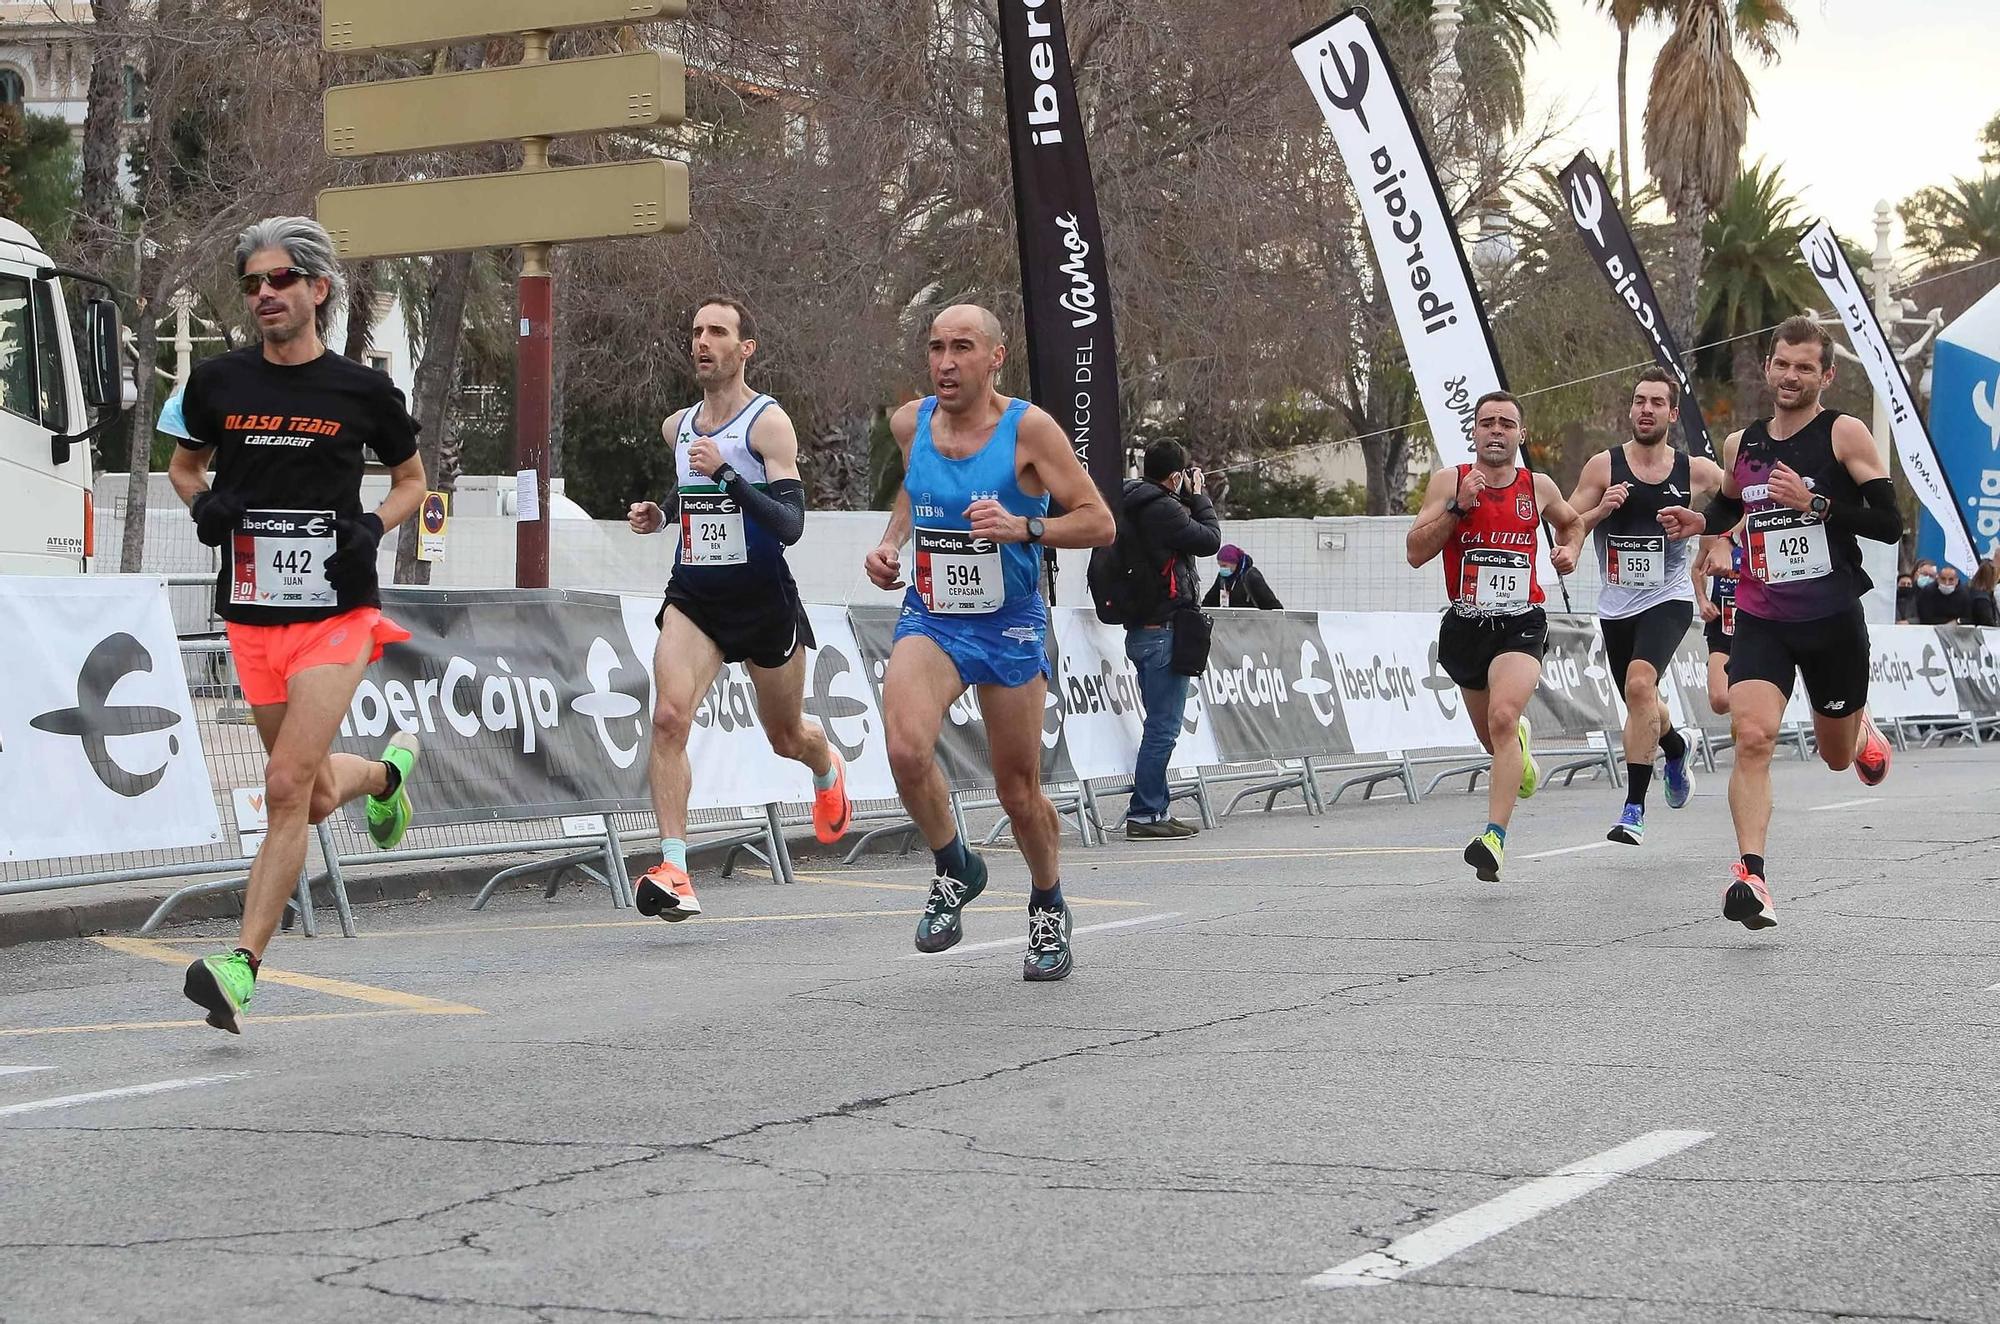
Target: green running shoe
(1486, 854)
(222, 984)
(1531, 772)
(939, 929)
(1048, 946)
(389, 819)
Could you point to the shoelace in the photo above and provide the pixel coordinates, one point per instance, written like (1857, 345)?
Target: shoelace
(1045, 931)
(947, 893)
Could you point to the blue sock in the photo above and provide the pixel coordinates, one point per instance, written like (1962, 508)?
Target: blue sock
(1052, 899)
(826, 783)
(951, 858)
(674, 851)
(1498, 831)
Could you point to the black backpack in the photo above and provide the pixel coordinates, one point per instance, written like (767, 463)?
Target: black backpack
(1125, 587)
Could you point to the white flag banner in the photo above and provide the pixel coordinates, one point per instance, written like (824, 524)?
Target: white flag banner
(99, 751)
(1423, 266)
(1885, 372)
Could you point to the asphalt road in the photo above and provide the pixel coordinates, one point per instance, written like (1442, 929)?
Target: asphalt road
(1314, 1052)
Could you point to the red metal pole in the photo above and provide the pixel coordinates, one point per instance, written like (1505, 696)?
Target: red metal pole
(535, 370)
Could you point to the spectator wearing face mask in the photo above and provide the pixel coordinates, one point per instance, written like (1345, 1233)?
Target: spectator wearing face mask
(1945, 602)
(1906, 598)
(1239, 583)
(1984, 608)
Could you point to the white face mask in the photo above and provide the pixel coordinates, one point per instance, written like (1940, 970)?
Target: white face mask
(1947, 588)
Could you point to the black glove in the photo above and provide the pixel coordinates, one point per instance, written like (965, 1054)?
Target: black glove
(351, 568)
(215, 516)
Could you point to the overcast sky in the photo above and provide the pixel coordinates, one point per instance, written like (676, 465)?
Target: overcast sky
(1874, 98)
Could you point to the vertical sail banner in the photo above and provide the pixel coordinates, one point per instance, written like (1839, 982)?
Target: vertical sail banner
(1424, 271)
(1609, 240)
(1885, 372)
(1065, 280)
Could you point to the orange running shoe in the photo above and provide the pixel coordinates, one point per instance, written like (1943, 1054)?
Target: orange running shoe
(832, 810)
(664, 890)
(1747, 900)
(1871, 760)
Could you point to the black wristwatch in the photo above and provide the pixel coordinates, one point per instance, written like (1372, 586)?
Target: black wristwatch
(724, 476)
(1457, 511)
(1819, 508)
(1036, 528)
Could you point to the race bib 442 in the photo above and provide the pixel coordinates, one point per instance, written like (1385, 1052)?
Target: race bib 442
(278, 559)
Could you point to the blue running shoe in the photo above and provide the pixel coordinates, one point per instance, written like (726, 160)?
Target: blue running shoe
(1679, 782)
(1631, 826)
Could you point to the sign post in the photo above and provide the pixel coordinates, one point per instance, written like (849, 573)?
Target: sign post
(532, 209)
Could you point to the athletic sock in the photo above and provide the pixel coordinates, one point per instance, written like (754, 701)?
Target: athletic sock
(826, 782)
(1051, 899)
(1673, 744)
(1498, 831)
(951, 859)
(395, 779)
(1755, 864)
(1642, 778)
(674, 851)
(255, 964)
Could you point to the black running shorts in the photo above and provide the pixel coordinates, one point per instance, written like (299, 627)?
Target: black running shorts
(764, 636)
(1718, 642)
(1830, 654)
(1653, 635)
(1467, 645)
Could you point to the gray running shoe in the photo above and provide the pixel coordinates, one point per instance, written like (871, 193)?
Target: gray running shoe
(1167, 829)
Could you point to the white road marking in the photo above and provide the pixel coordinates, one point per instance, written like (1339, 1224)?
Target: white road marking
(1021, 942)
(125, 1092)
(1844, 804)
(16, 1071)
(1442, 1240)
(1569, 850)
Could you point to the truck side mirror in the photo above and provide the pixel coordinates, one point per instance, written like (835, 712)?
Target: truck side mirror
(102, 378)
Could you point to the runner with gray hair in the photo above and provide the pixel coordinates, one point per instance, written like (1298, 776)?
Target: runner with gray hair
(306, 242)
(289, 426)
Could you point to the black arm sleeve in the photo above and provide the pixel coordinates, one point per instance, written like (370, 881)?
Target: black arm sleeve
(781, 508)
(1213, 598)
(1724, 513)
(1876, 518)
(1261, 594)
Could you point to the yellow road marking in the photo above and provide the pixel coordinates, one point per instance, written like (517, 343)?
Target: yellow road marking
(703, 921)
(338, 988)
(178, 1025)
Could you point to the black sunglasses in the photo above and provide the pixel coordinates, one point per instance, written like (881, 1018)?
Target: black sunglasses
(278, 278)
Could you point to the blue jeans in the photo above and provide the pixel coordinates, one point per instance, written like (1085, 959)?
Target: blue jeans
(1164, 696)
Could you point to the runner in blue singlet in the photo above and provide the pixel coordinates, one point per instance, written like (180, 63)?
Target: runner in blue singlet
(979, 472)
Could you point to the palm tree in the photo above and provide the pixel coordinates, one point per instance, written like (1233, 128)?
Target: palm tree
(1754, 277)
(1697, 115)
(1625, 16)
(1493, 50)
(1956, 224)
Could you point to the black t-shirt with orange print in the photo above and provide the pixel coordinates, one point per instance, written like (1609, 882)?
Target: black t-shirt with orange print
(291, 438)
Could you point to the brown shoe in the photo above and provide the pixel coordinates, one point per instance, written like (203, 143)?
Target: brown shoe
(1167, 829)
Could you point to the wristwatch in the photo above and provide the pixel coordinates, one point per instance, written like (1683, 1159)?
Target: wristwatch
(724, 476)
(1036, 528)
(1457, 510)
(1819, 508)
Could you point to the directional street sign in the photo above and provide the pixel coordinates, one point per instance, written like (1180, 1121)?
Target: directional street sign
(348, 26)
(569, 97)
(620, 200)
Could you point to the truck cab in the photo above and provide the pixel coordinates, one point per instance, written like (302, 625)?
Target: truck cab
(49, 386)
